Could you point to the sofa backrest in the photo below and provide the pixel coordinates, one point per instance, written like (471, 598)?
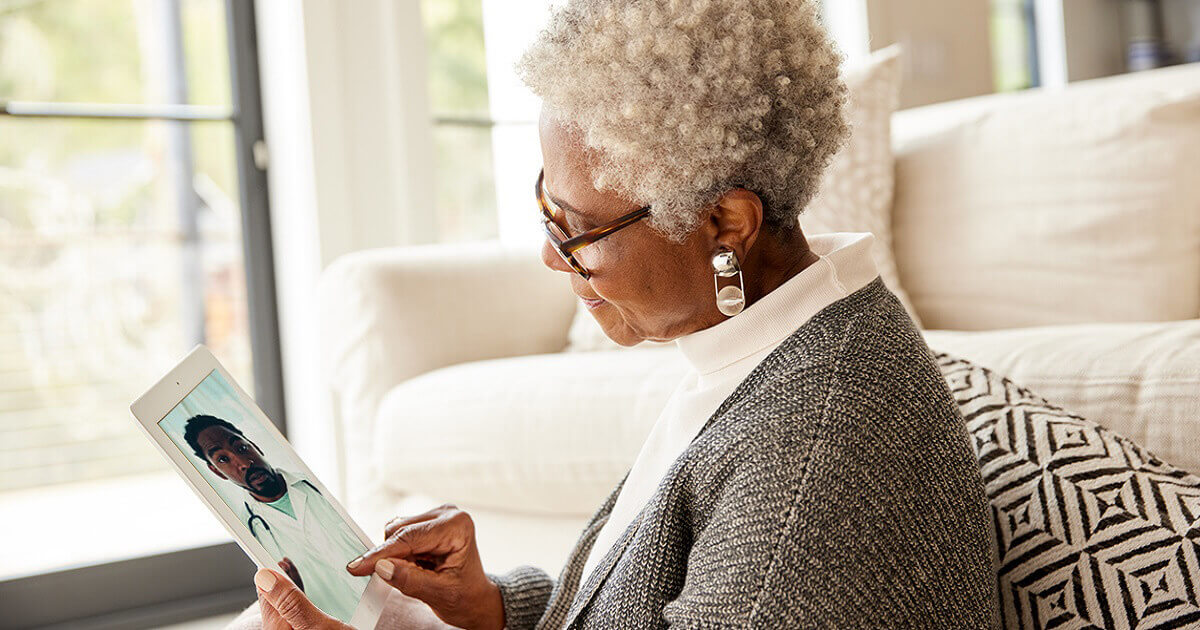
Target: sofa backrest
(1053, 206)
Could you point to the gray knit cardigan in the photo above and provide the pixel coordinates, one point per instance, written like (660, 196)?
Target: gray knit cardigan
(835, 488)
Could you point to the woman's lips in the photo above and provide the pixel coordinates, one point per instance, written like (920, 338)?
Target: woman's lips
(591, 302)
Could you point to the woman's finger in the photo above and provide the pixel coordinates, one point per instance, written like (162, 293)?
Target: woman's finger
(410, 579)
(285, 606)
(401, 521)
(427, 538)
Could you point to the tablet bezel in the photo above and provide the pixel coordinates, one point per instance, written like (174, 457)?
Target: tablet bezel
(151, 407)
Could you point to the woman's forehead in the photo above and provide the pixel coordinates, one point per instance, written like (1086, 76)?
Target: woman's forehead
(563, 150)
(568, 170)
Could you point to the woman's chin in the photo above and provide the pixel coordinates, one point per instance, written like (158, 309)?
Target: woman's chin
(619, 333)
(623, 338)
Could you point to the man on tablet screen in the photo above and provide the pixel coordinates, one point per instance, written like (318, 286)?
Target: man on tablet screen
(286, 513)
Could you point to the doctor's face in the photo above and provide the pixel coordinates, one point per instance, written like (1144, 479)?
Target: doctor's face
(239, 460)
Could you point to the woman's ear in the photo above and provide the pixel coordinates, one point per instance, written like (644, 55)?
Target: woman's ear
(736, 220)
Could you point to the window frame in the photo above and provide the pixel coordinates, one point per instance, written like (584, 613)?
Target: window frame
(187, 583)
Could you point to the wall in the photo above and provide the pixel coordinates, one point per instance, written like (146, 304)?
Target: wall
(1181, 25)
(1094, 42)
(1087, 39)
(947, 46)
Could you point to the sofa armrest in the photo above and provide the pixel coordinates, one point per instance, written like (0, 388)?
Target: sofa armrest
(388, 315)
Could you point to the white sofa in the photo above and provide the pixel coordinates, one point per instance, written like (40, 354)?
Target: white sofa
(1052, 236)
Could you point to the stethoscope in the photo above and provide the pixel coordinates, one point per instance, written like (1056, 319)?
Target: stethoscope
(250, 522)
(254, 516)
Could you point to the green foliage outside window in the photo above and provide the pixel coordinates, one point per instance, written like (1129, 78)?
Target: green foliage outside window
(465, 186)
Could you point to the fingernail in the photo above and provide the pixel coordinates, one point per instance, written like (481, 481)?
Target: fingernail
(354, 563)
(264, 580)
(385, 569)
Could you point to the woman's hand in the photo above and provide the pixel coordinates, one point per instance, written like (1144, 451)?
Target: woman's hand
(292, 573)
(433, 557)
(284, 606)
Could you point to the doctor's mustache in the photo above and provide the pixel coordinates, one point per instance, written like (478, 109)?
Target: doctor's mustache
(263, 480)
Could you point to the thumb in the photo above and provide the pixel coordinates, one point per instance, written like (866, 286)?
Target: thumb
(270, 617)
(284, 601)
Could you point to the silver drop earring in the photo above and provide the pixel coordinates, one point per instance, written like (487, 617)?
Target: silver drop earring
(731, 299)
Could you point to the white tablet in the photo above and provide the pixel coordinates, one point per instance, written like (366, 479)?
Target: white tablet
(255, 483)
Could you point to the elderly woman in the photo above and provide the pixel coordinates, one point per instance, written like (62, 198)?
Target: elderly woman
(812, 470)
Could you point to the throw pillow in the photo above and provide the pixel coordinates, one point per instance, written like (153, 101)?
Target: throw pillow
(1090, 530)
(1142, 378)
(856, 191)
(1053, 207)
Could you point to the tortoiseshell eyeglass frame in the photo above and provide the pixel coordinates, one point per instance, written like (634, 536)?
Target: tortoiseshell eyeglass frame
(565, 245)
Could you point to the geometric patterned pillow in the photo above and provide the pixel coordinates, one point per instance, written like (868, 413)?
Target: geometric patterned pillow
(1089, 529)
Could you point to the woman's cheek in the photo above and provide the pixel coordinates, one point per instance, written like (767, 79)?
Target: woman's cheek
(593, 260)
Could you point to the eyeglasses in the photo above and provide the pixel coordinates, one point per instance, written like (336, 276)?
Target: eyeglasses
(565, 245)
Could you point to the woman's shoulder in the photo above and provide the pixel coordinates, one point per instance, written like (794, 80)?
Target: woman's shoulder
(866, 327)
(860, 364)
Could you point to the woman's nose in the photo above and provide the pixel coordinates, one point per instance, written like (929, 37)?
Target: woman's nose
(551, 259)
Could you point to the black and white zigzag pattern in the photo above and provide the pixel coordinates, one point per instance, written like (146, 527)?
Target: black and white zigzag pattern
(1090, 530)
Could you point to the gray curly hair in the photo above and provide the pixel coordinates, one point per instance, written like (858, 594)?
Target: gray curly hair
(684, 99)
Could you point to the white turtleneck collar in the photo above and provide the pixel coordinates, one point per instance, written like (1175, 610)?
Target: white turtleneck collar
(845, 265)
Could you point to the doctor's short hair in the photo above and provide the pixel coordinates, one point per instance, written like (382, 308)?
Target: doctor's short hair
(197, 424)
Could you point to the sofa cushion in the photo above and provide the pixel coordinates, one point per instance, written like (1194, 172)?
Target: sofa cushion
(1090, 529)
(1141, 380)
(1054, 207)
(548, 434)
(552, 434)
(856, 190)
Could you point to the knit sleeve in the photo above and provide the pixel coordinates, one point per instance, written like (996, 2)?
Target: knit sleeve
(526, 593)
(741, 552)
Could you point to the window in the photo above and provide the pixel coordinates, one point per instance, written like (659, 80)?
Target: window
(133, 225)
(465, 191)
(487, 152)
(484, 119)
(1014, 45)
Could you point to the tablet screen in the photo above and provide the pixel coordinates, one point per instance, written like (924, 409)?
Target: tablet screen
(263, 481)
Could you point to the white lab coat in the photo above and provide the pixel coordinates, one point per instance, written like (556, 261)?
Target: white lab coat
(317, 541)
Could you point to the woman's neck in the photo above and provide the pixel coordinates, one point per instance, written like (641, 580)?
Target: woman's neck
(774, 260)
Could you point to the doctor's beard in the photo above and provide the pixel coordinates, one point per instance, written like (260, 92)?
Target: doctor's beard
(264, 482)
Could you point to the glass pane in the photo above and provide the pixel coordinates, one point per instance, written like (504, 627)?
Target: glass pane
(1013, 46)
(465, 192)
(115, 51)
(465, 183)
(120, 248)
(457, 63)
